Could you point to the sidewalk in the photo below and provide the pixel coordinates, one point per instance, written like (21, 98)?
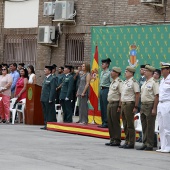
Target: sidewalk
(29, 148)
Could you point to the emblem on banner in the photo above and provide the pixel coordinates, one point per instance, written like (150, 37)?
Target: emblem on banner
(133, 52)
(94, 75)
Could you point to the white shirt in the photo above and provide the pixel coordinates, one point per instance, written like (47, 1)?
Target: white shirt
(30, 81)
(164, 89)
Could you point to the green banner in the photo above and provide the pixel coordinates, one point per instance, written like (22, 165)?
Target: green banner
(132, 45)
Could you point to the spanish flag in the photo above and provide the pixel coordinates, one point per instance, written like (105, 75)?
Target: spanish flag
(94, 90)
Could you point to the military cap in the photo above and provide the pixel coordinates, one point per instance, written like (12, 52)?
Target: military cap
(108, 60)
(150, 68)
(143, 66)
(131, 69)
(49, 68)
(165, 65)
(117, 69)
(68, 66)
(54, 66)
(158, 71)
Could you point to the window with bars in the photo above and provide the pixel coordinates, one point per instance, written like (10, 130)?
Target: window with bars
(74, 49)
(20, 48)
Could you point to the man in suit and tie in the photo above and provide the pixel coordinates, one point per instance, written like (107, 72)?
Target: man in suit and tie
(48, 97)
(66, 94)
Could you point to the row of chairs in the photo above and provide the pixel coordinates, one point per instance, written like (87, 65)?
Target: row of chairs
(19, 108)
(138, 126)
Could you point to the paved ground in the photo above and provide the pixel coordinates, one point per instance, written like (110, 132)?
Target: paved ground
(29, 148)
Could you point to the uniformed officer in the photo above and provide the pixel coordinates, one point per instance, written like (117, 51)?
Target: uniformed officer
(141, 81)
(48, 97)
(149, 102)
(129, 106)
(54, 66)
(105, 81)
(66, 94)
(164, 108)
(114, 107)
(59, 79)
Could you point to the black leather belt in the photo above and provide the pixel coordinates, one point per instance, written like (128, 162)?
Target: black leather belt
(102, 87)
(113, 102)
(128, 102)
(147, 102)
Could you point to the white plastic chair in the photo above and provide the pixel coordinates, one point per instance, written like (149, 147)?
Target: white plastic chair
(157, 131)
(13, 111)
(21, 103)
(59, 111)
(137, 122)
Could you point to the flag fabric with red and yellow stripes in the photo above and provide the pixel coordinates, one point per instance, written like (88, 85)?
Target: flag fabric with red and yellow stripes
(94, 90)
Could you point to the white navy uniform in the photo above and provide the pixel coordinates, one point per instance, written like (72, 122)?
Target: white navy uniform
(163, 114)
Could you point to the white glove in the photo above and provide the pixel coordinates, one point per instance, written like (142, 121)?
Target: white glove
(66, 98)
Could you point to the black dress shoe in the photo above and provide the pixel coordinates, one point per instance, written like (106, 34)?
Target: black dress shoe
(149, 149)
(122, 146)
(43, 128)
(142, 147)
(130, 146)
(108, 144)
(114, 144)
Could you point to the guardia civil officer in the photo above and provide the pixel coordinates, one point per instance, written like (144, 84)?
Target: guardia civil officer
(141, 81)
(129, 106)
(105, 81)
(149, 102)
(164, 108)
(66, 94)
(48, 97)
(113, 108)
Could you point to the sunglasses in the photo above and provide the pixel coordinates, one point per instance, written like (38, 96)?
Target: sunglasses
(3, 69)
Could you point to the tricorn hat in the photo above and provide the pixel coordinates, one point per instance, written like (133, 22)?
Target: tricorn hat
(108, 60)
(49, 68)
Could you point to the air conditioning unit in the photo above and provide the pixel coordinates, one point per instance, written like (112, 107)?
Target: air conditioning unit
(150, 1)
(49, 8)
(64, 10)
(46, 34)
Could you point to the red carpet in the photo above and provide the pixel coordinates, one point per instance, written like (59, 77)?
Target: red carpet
(86, 130)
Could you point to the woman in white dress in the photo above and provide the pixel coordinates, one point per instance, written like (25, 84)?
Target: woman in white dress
(32, 76)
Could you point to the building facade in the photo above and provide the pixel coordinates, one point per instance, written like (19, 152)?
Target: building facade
(74, 45)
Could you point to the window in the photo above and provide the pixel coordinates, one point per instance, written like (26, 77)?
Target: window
(21, 48)
(74, 49)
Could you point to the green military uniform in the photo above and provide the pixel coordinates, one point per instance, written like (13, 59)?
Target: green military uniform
(129, 89)
(48, 99)
(105, 81)
(112, 114)
(59, 79)
(66, 97)
(149, 89)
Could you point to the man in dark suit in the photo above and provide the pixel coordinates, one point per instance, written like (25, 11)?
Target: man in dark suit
(66, 94)
(48, 97)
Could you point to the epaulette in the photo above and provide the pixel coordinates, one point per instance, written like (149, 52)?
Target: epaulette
(120, 80)
(134, 80)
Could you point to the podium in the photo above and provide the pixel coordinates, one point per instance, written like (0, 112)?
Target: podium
(34, 114)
